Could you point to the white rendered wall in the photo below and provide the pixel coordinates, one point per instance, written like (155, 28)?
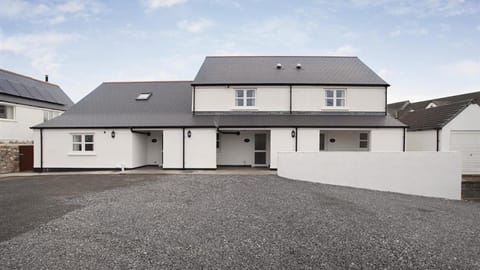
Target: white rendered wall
(235, 151)
(386, 140)
(200, 148)
(381, 139)
(467, 120)
(359, 99)
(154, 150)
(19, 128)
(109, 152)
(308, 140)
(139, 150)
(221, 98)
(424, 140)
(173, 148)
(433, 174)
(280, 141)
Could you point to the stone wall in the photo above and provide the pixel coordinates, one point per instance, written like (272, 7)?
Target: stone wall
(9, 158)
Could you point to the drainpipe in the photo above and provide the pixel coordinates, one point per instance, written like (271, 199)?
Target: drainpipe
(404, 131)
(193, 101)
(183, 162)
(438, 139)
(290, 99)
(41, 150)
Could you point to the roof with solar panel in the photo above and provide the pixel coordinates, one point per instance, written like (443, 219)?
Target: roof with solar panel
(20, 89)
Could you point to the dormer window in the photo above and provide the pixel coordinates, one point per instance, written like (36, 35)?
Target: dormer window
(335, 97)
(144, 96)
(245, 97)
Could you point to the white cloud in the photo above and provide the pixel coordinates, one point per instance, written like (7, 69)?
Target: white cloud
(409, 31)
(195, 26)
(151, 5)
(52, 13)
(40, 48)
(446, 8)
(478, 27)
(467, 68)
(346, 50)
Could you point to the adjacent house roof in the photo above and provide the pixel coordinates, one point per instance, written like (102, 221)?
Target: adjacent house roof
(418, 117)
(20, 89)
(115, 104)
(322, 70)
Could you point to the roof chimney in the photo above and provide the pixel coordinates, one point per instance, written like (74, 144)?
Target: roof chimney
(46, 78)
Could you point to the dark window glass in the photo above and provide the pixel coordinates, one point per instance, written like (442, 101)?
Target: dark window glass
(260, 158)
(322, 141)
(88, 147)
(260, 141)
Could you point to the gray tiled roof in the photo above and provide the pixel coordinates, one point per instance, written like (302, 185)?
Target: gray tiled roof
(21, 89)
(115, 105)
(417, 117)
(326, 70)
(435, 117)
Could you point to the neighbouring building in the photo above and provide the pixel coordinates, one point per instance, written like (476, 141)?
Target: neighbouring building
(238, 111)
(25, 102)
(444, 124)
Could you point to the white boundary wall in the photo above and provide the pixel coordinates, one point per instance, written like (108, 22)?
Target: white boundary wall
(432, 174)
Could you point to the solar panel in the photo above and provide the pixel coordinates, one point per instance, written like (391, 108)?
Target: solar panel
(27, 91)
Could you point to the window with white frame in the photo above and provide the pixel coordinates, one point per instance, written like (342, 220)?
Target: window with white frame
(245, 97)
(363, 140)
(48, 115)
(82, 143)
(335, 97)
(7, 112)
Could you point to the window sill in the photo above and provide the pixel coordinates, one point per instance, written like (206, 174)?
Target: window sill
(82, 153)
(335, 109)
(8, 120)
(245, 108)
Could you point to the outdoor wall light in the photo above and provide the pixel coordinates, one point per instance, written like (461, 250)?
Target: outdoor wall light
(189, 134)
(113, 134)
(293, 134)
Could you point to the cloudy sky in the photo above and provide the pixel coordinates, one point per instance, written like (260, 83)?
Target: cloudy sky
(424, 49)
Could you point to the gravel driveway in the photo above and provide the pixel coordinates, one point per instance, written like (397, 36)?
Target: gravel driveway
(221, 221)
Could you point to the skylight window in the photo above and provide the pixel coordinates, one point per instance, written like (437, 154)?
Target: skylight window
(144, 96)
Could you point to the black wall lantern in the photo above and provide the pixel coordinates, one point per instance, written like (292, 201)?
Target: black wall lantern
(113, 134)
(293, 134)
(189, 134)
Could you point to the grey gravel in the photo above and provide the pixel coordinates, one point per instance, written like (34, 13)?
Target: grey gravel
(224, 222)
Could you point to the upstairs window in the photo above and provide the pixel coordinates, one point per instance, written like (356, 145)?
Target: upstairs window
(82, 143)
(7, 112)
(48, 115)
(245, 97)
(144, 96)
(335, 97)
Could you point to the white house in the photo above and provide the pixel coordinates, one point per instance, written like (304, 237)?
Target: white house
(25, 102)
(238, 111)
(444, 124)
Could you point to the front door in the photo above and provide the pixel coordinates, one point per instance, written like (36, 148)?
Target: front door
(26, 157)
(260, 157)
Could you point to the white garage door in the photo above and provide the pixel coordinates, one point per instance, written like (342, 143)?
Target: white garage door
(468, 143)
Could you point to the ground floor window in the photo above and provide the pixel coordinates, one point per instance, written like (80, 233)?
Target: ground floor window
(82, 143)
(322, 141)
(364, 140)
(7, 112)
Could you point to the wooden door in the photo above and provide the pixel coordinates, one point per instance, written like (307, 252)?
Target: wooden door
(26, 157)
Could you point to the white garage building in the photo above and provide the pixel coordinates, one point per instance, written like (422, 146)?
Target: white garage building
(444, 124)
(239, 111)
